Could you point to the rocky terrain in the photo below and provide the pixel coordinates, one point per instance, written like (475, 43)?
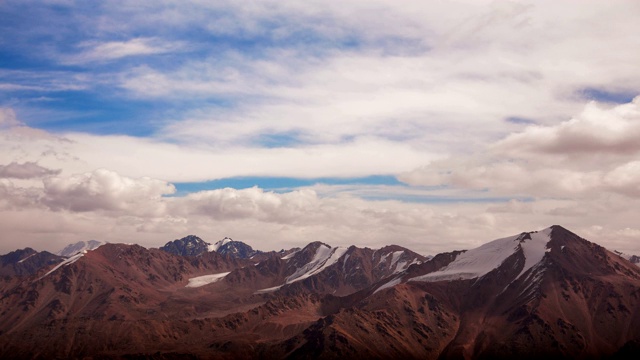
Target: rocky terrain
(538, 294)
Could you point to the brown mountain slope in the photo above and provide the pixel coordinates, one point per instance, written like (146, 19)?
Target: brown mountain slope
(539, 294)
(578, 301)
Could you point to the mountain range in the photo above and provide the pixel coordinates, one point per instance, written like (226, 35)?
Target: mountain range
(547, 293)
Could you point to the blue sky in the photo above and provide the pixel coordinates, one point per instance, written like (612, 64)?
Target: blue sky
(436, 125)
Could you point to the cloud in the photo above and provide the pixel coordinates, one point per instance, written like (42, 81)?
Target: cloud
(112, 50)
(457, 72)
(595, 131)
(77, 152)
(17, 198)
(8, 118)
(107, 206)
(324, 89)
(27, 170)
(104, 190)
(594, 152)
(253, 203)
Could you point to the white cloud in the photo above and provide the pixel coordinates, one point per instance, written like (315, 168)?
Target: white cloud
(105, 190)
(27, 170)
(468, 67)
(8, 118)
(107, 206)
(594, 152)
(596, 131)
(341, 89)
(139, 157)
(111, 50)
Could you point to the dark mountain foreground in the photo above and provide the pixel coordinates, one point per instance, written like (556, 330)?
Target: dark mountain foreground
(545, 294)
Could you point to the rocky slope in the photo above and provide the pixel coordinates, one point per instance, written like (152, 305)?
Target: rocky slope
(26, 262)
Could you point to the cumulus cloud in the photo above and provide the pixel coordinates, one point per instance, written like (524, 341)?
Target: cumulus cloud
(103, 190)
(27, 170)
(253, 203)
(8, 117)
(14, 197)
(107, 206)
(596, 130)
(592, 153)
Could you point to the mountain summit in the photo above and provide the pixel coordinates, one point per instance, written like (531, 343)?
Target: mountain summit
(230, 247)
(192, 245)
(189, 245)
(80, 246)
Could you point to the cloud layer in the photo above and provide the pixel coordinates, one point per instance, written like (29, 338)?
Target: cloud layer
(499, 117)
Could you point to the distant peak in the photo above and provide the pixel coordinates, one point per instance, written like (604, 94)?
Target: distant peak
(190, 238)
(315, 245)
(80, 246)
(230, 247)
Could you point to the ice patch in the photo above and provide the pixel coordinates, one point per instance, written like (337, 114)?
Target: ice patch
(26, 258)
(68, 261)
(218, 245)
(534, 249)
(204, 280)
(480, 261)
(344, 263)
(389, 284)
(289, 256)
(395, 256)
(268, 290)
(324, 257)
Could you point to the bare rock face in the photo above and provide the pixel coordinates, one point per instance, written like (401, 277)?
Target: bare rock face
(190, 245)
(536, 294)
(26, 262)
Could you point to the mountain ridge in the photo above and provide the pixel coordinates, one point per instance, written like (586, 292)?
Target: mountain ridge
(546, 293)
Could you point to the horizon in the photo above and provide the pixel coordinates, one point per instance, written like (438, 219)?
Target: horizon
(212, 242)
(436, 126)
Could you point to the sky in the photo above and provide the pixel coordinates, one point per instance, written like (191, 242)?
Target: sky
(435, 125)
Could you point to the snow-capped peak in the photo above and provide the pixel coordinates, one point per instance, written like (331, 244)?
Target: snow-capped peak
(480, 261)
(80, 246)
(324, 257)
(219, 244)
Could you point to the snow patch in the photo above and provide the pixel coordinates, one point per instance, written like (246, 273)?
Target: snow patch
(268, 290)
(218, 245)
(324, 257)
(206, 279)
(395, 256)
(26, 258)
(289, 256)
(68, 261)
(344, 263)
(480, 261)
(389, 284)
(534, 249)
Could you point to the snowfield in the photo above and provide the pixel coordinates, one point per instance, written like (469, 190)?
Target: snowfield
(204, 280)
(480, 261)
